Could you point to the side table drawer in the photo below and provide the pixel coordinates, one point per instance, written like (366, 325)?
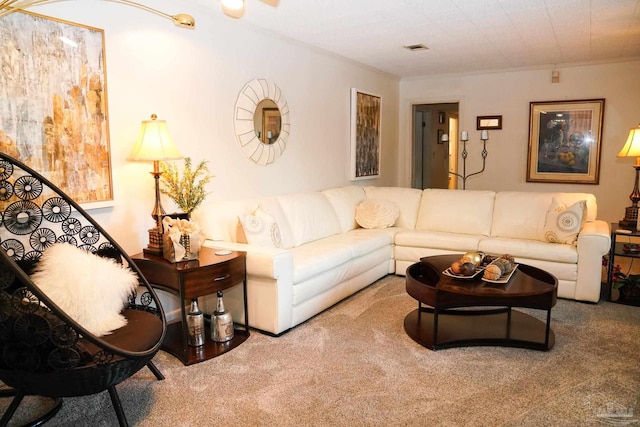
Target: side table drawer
(211, 279)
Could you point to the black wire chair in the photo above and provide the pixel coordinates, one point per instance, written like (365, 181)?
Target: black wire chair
(43, 351)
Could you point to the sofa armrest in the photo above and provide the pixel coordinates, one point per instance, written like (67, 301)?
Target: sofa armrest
(261, 261)
(594, 241)
(597, 235)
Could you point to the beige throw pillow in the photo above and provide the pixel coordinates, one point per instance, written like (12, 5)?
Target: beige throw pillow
(261, 229)
(375, 213)
(562, 224)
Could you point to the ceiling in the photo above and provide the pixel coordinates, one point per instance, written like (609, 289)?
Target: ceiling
(463, 36)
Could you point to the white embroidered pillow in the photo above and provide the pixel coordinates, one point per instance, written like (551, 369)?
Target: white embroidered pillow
(375, 213)
(90, 289)
(261, 229)
(562, 224)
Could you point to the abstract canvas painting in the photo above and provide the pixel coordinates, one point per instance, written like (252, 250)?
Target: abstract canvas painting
(53, 103)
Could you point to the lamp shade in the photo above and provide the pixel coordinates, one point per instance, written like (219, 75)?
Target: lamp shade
(154, 142)
(632, 146)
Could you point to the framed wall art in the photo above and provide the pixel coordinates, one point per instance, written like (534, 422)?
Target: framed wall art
(365, 135)
(53, 103)
(565, 141)
(488, 122)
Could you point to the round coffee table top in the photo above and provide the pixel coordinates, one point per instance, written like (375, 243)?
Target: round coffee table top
(528, 287)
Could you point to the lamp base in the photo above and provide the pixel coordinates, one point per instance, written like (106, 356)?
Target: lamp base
(155, 242)
(630, 220)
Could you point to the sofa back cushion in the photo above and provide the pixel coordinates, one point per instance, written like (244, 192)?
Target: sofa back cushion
(407, 200)
(310, 216)
(521, 214)
(344, 201)
(456, 211)
(219, 219)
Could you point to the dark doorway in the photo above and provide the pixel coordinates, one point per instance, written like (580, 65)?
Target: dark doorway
(432, 157)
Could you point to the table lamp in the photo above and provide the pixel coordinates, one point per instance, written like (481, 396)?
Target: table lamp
(155, 144)
(632, 149)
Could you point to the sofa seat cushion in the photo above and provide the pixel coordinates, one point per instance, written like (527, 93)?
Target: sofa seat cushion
(437, 240)
(530, 249)
(456, 211)
(313, 258)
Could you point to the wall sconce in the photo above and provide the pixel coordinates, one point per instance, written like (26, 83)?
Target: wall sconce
(155, 144)
(181, 19)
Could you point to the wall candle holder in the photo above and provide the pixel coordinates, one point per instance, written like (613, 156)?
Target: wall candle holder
(464, 137)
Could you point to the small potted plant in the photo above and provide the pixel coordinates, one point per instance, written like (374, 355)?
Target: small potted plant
(188, 190)
(628, 285)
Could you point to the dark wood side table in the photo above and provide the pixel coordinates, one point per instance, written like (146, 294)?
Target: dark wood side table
(206, 275)
(621, 246)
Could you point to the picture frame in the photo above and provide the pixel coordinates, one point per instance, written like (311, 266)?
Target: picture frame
(488, 122)
(565, 141)
(439, 136)
(55, 118)
(366, 133)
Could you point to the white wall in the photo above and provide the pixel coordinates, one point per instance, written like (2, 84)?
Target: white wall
(509, 94)
(191, 78)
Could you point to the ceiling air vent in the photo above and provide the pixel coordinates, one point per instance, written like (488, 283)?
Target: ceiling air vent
(414, 47)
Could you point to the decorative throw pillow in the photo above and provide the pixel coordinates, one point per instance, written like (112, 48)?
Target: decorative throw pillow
(90, 289)
(261, 229)
(375, 213)
(562, 224)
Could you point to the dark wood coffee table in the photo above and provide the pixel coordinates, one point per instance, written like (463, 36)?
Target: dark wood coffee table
(472, 312)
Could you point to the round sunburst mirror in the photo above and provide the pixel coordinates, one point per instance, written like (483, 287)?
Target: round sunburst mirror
(261, 121)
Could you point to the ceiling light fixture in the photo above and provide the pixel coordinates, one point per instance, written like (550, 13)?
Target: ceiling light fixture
(235, 8)
(181, 19)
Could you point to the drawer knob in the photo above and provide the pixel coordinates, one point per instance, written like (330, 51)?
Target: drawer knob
(217, 279)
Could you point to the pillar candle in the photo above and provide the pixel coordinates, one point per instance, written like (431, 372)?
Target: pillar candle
(484, 135)
(465, 136)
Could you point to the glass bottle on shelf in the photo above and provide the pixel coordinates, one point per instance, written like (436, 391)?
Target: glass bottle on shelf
(221, 322)
(195, 324)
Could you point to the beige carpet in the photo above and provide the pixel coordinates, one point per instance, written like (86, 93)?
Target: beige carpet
(353, 365)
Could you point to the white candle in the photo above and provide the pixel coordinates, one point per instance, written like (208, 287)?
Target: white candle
(445, 138)
(269, 134)
(484, 135)
(465, 136)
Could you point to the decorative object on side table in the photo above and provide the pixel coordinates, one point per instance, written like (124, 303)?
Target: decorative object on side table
(154, 143)
(632, 149)
(221, 322)
(188, 190)
(180, 239)
(195, 324)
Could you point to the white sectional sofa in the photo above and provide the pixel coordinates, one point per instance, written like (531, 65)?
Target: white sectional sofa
(308, 252)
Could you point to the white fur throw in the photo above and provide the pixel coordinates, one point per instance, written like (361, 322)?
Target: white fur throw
(375, 213)
(90, 289)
